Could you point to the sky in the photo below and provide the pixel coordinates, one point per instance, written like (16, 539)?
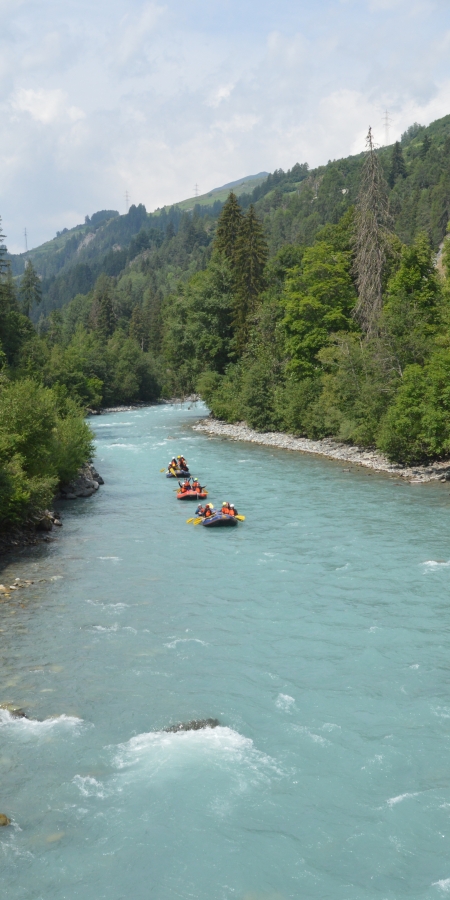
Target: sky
(103, 97)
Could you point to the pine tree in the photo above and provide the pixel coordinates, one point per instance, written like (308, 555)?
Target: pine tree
(137, 326)
(228, 226)
(398, 168)
(30, 288)
(103, 318)
(3, 261)
(372, 222)
(426, 144)
(248, 262)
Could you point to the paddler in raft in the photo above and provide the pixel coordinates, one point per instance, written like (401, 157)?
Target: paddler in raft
(196, 486)
(182, 464)
(205, 511)
(186, 486)
(229, 509)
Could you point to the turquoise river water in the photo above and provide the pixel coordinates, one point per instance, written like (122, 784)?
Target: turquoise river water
(317, 632)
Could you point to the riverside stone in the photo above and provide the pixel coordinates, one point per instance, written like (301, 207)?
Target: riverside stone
(4, 820)
(85, 483)
(437, 471)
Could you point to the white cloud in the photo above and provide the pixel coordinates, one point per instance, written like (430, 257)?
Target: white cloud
(151, 97)
(45, 105)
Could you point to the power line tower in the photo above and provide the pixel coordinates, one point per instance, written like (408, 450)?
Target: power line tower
(196, 192)
(387, 122)
(127, 200)
(26, 240)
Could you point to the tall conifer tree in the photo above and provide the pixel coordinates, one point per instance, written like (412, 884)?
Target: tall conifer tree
(228, 226)
(250, 257)
(398, 168)
(30, 288)
(102, 316)
(372, 227)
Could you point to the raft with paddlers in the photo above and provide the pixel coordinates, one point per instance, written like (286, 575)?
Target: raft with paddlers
(210, 517)
(219, 519)
(177, 468)
(192, 495)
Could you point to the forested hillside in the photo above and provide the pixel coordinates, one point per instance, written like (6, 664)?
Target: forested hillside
(312, 304)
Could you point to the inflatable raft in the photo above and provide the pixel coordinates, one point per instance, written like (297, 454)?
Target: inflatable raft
(178, 474)
(218, 520)
(192, 495)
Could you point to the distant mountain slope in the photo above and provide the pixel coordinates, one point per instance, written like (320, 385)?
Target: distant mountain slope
(241, 186)
(175, 241)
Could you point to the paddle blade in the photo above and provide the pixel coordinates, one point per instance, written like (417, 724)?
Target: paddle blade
(241, 518)
(162, 470)
(188, 521)
(197, 521)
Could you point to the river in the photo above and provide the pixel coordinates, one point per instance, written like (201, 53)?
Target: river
(317, 632)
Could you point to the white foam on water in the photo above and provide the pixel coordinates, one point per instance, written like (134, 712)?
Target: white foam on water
(432, 564)
(35, 727)
(89, 786)
(394, 800)
(284, 702)
(316, 738)
(158, 754)
(113, 558)
(330, 726)
(114, 627)
(112, 424)
(173, 644)
(443, 885)
(107, 606)
(125, 446)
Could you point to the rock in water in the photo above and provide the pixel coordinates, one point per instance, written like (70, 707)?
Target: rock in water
(195, 725)
(4, 820)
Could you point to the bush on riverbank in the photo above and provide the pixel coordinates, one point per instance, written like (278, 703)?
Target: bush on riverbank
(43, 441)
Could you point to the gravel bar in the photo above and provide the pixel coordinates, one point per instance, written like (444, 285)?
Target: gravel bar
(437, 471)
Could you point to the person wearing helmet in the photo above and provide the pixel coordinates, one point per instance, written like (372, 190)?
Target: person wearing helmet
(182, 464)
(208, 510)
(173, 465)
(225, 508)
(196, 486)
(200, 511)
(186, 486)
(232, 510)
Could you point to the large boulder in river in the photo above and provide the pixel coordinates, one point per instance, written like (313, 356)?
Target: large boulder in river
(4, 820)
(194, 725)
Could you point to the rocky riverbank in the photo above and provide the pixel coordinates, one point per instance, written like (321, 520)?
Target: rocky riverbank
(437, 471)
(38, 528)
(86, 483)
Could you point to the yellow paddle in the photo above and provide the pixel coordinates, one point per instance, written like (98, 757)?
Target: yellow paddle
(195, 521)
(241, 518)
(162, 470)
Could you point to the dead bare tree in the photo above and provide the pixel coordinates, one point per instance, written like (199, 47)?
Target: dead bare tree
(373, 222)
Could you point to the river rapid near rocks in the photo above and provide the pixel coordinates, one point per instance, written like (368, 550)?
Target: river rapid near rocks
(317, 633)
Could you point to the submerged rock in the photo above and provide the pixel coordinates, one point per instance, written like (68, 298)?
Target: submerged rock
(4, 820)
(195, 725)
(15, 711)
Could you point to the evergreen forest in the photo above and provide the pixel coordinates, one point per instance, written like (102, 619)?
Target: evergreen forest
(317, 304)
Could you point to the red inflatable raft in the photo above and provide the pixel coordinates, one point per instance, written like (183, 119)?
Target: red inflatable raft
(192, 495)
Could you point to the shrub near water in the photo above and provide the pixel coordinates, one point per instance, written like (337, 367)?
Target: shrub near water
(43, 441)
